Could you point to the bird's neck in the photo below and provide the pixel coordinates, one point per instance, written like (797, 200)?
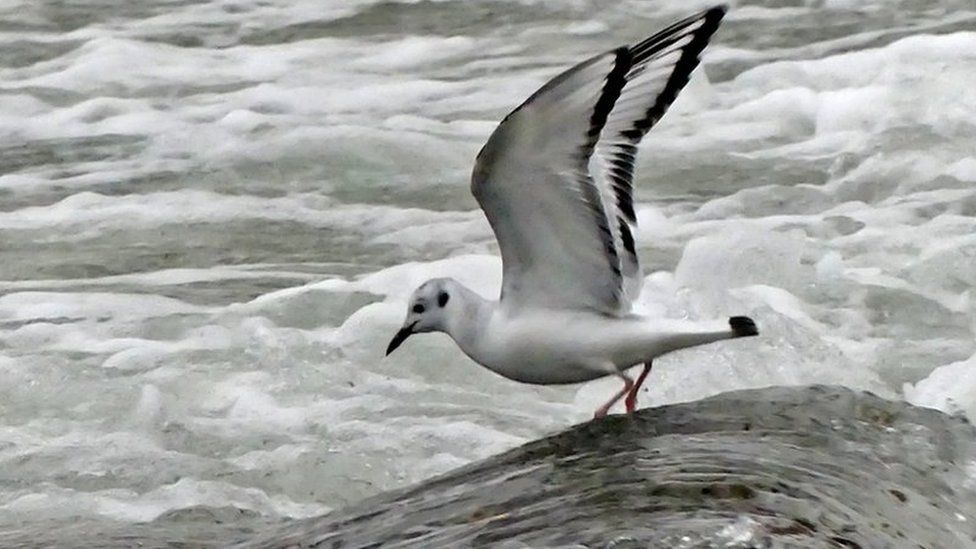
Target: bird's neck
(466, 327)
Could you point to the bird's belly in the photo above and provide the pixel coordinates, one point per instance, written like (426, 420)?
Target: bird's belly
(552, 372)
(543, 361)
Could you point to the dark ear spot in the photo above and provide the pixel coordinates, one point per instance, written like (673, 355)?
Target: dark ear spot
(442, 299)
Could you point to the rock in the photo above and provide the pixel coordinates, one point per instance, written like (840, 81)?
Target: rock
(784, 466)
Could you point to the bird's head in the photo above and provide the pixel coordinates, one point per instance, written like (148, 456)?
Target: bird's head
(427, 310)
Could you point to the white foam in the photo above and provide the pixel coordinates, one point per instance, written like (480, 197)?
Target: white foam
(149, 411)
(414, 51)
(950, 388)
(22, 306)
(964, 169)
(712, 265)
(586, 28)
(130, 506)
(482, 273)
(164, 277)
(86, 214)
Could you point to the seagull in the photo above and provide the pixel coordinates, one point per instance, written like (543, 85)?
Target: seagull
(555, 181)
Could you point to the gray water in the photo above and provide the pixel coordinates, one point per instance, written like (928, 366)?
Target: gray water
(211, 214)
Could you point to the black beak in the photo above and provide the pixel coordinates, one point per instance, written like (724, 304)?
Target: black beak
(400, 337)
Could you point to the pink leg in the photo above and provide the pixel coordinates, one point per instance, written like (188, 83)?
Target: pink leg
(631, 400)
(602, 410)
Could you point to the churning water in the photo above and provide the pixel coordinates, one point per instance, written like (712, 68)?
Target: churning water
(211, 213)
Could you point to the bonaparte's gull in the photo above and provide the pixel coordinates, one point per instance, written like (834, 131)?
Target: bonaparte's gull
(555, 181)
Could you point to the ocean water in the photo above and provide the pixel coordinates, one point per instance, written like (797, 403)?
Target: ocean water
(212, 212)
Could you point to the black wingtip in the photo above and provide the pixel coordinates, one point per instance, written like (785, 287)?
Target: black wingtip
(714, 16)
(743, 326)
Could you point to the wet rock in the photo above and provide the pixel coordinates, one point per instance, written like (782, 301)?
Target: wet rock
(777, 467)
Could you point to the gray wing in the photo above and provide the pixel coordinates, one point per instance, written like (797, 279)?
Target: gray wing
(555, 178)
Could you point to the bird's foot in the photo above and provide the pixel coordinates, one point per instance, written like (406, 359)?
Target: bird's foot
(631, 402)
(628, 386)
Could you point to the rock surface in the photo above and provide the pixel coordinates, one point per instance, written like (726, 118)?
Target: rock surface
(777, 467)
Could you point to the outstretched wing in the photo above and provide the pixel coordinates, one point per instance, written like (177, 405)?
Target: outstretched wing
(555, 178)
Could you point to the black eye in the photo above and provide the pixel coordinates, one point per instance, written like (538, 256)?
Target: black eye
(418, 308)
(442, 299)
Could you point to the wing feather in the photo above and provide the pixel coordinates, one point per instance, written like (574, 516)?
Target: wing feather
(555, 179)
